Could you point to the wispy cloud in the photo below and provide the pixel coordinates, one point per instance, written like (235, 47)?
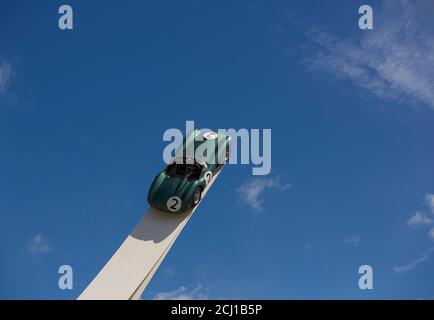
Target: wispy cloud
(394, 60)
(5, 75)
(429, 198)
(251, 192)
(353, 241)
(413, 264)
(418, 219)
(39, 245)
(196, 292)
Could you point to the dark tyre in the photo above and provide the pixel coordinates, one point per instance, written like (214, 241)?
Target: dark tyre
(197, 196)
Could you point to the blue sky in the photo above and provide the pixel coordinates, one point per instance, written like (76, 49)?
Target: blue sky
(82, 114)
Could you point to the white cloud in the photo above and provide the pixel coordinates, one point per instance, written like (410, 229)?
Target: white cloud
(39, 245)
(395, 60)
(251, 191)
(354, 241)
(183, 293)
(418, 219)
(411, 265)
(429, 198)
(5, 75)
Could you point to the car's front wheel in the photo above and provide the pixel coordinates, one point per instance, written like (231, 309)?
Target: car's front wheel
(197, 196)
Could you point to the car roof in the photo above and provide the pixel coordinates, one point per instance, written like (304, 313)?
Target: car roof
(207, 138)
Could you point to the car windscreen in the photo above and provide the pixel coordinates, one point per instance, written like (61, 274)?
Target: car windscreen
(182, 170)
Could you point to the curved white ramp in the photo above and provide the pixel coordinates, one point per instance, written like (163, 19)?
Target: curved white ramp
(130, 269)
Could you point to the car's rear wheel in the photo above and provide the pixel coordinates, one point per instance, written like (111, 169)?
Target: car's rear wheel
(197, 196)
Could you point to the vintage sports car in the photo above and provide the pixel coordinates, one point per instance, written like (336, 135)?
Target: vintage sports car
(180, 185)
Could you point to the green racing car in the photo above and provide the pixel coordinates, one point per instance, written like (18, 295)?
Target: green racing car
(179, 186)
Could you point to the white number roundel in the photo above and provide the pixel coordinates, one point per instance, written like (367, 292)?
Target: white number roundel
(174, 204)
(208, 177)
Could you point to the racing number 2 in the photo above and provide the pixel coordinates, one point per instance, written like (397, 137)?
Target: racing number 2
(174, 203)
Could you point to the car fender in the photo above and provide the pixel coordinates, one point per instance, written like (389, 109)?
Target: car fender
(188, 197)
(158, 180)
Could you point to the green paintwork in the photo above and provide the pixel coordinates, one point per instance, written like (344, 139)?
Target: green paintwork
(169, 183)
